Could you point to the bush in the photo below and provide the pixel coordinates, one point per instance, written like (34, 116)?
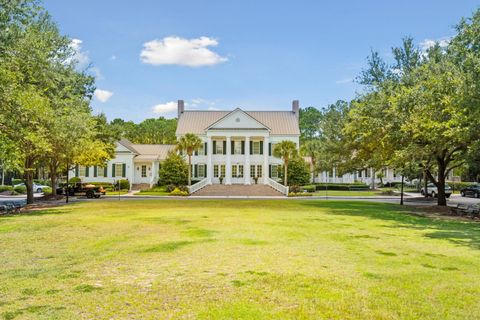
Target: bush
(178, 192)
(309, 188)
(74, 180)
(17, 181)
(21, 189)
(124, 184)
(387, 192)
(299, 194)
(183, 188)
(170, 187)
(174, 170)
(6, 188)
(341, 186)
(457, 186)
(298, 172)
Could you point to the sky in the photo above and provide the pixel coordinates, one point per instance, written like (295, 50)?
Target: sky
(256, 55)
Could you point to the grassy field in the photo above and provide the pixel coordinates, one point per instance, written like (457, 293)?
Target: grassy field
(198, 259)
(155, 191)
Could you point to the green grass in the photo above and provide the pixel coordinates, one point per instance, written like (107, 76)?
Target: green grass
(155, 191)
(367, 193)
(239, 259)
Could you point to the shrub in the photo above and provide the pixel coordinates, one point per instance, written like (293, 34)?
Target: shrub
(299, 194)
(457, 186)
(124, 184)
(341, 186)
(17, 181)
(294, 189)
(74, 180)
(6, 188)
(174, 170)
(298, 172)
(309, 188)
(183, 188)
(170, 187)
(21, 189)
(178, 192)
(387, 192)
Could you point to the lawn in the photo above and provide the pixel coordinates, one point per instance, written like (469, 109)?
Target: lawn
(237, 259)
(155, 191)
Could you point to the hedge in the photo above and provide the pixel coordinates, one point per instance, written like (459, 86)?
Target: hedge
(6, 188)
(341, 186)
(457, 186)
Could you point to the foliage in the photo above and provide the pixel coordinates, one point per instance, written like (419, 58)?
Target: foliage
(149, 131)
(309, 118)
(20, 189)
(123, 183)
(189, 143)
(299, 194)
(5, 188)
(286, 150)
(178, 192)
(173, 171)
(341, 186)
(298, 172)
(74, 180)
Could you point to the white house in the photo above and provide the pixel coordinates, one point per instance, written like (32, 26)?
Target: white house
(138, 163)
(238, 144)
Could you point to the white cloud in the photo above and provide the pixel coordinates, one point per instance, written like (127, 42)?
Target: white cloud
(103, 95)
(114, 57)
(81, 57)
(180, 51)
(344, 81)
(428, 43)
(97, 73)
(164, 108)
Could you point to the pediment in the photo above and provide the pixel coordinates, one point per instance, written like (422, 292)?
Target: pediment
(237, 119)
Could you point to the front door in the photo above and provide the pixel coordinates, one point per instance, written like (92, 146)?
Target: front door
(143, 173)
(238, 174)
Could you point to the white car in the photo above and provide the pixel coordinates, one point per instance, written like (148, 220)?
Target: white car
(37, 188)
(432, 190)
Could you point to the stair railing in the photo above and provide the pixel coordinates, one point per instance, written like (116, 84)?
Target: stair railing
(277, 186)
(197, 186)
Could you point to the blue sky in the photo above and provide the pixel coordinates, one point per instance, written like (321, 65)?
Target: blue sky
(257, 55)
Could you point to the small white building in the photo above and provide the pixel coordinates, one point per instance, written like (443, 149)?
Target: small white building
(238, 144)
(137, 163)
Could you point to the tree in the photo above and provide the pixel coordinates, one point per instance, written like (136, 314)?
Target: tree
(298, 172)
(312, 149)
(285, 150)
(174, 170)
(309, 120)
(189, 143)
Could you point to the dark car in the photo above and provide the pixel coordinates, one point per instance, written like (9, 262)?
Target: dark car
(83, 189)
(473, 190)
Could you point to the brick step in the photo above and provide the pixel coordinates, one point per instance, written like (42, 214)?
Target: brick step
(140, 186)
(259, 190)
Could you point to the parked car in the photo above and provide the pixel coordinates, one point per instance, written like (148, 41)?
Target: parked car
(37, 188)
(432, 190)
(88, 190)
(473, 190)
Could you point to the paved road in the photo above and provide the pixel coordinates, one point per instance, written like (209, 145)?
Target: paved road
(410, 199)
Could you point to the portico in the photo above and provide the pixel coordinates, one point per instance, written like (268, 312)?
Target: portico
(238, 145)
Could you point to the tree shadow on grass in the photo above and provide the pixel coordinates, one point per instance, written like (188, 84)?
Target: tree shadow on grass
(462, 233)
(39, 212)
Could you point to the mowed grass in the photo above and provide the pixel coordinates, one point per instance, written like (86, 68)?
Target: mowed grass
(367, 193)
(238, 259)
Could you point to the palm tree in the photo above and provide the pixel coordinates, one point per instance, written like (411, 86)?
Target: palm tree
(189, 143)
(285, 150)
(311, 149)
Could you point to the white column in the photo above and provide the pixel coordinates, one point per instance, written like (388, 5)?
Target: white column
(228, 165)
(265, 160)
(334, 174)
(209, 160)
(246, 169)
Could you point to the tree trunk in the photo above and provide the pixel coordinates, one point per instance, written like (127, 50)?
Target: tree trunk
(189, 170)
(3, 173)
(29, 180)
(442, 200)
(53, 180)
(285, 179)
(373, 179)
(401, 191)
(425, 183)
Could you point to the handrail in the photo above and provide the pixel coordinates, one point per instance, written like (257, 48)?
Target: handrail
(197, 186)
(277, 186)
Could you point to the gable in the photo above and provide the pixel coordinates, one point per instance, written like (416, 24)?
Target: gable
(237, 119)
(120, 148)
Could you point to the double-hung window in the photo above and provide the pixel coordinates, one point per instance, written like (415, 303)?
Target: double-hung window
(219, 147)
(259, 171)
(82, 171)
(201, 171)
(237, 147)
(100, 171)
(118, 169)
(144, 171)
(252, 171)
(256, 147)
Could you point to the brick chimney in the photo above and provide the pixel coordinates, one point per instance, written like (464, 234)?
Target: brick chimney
(296, 108)
(180, 107)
